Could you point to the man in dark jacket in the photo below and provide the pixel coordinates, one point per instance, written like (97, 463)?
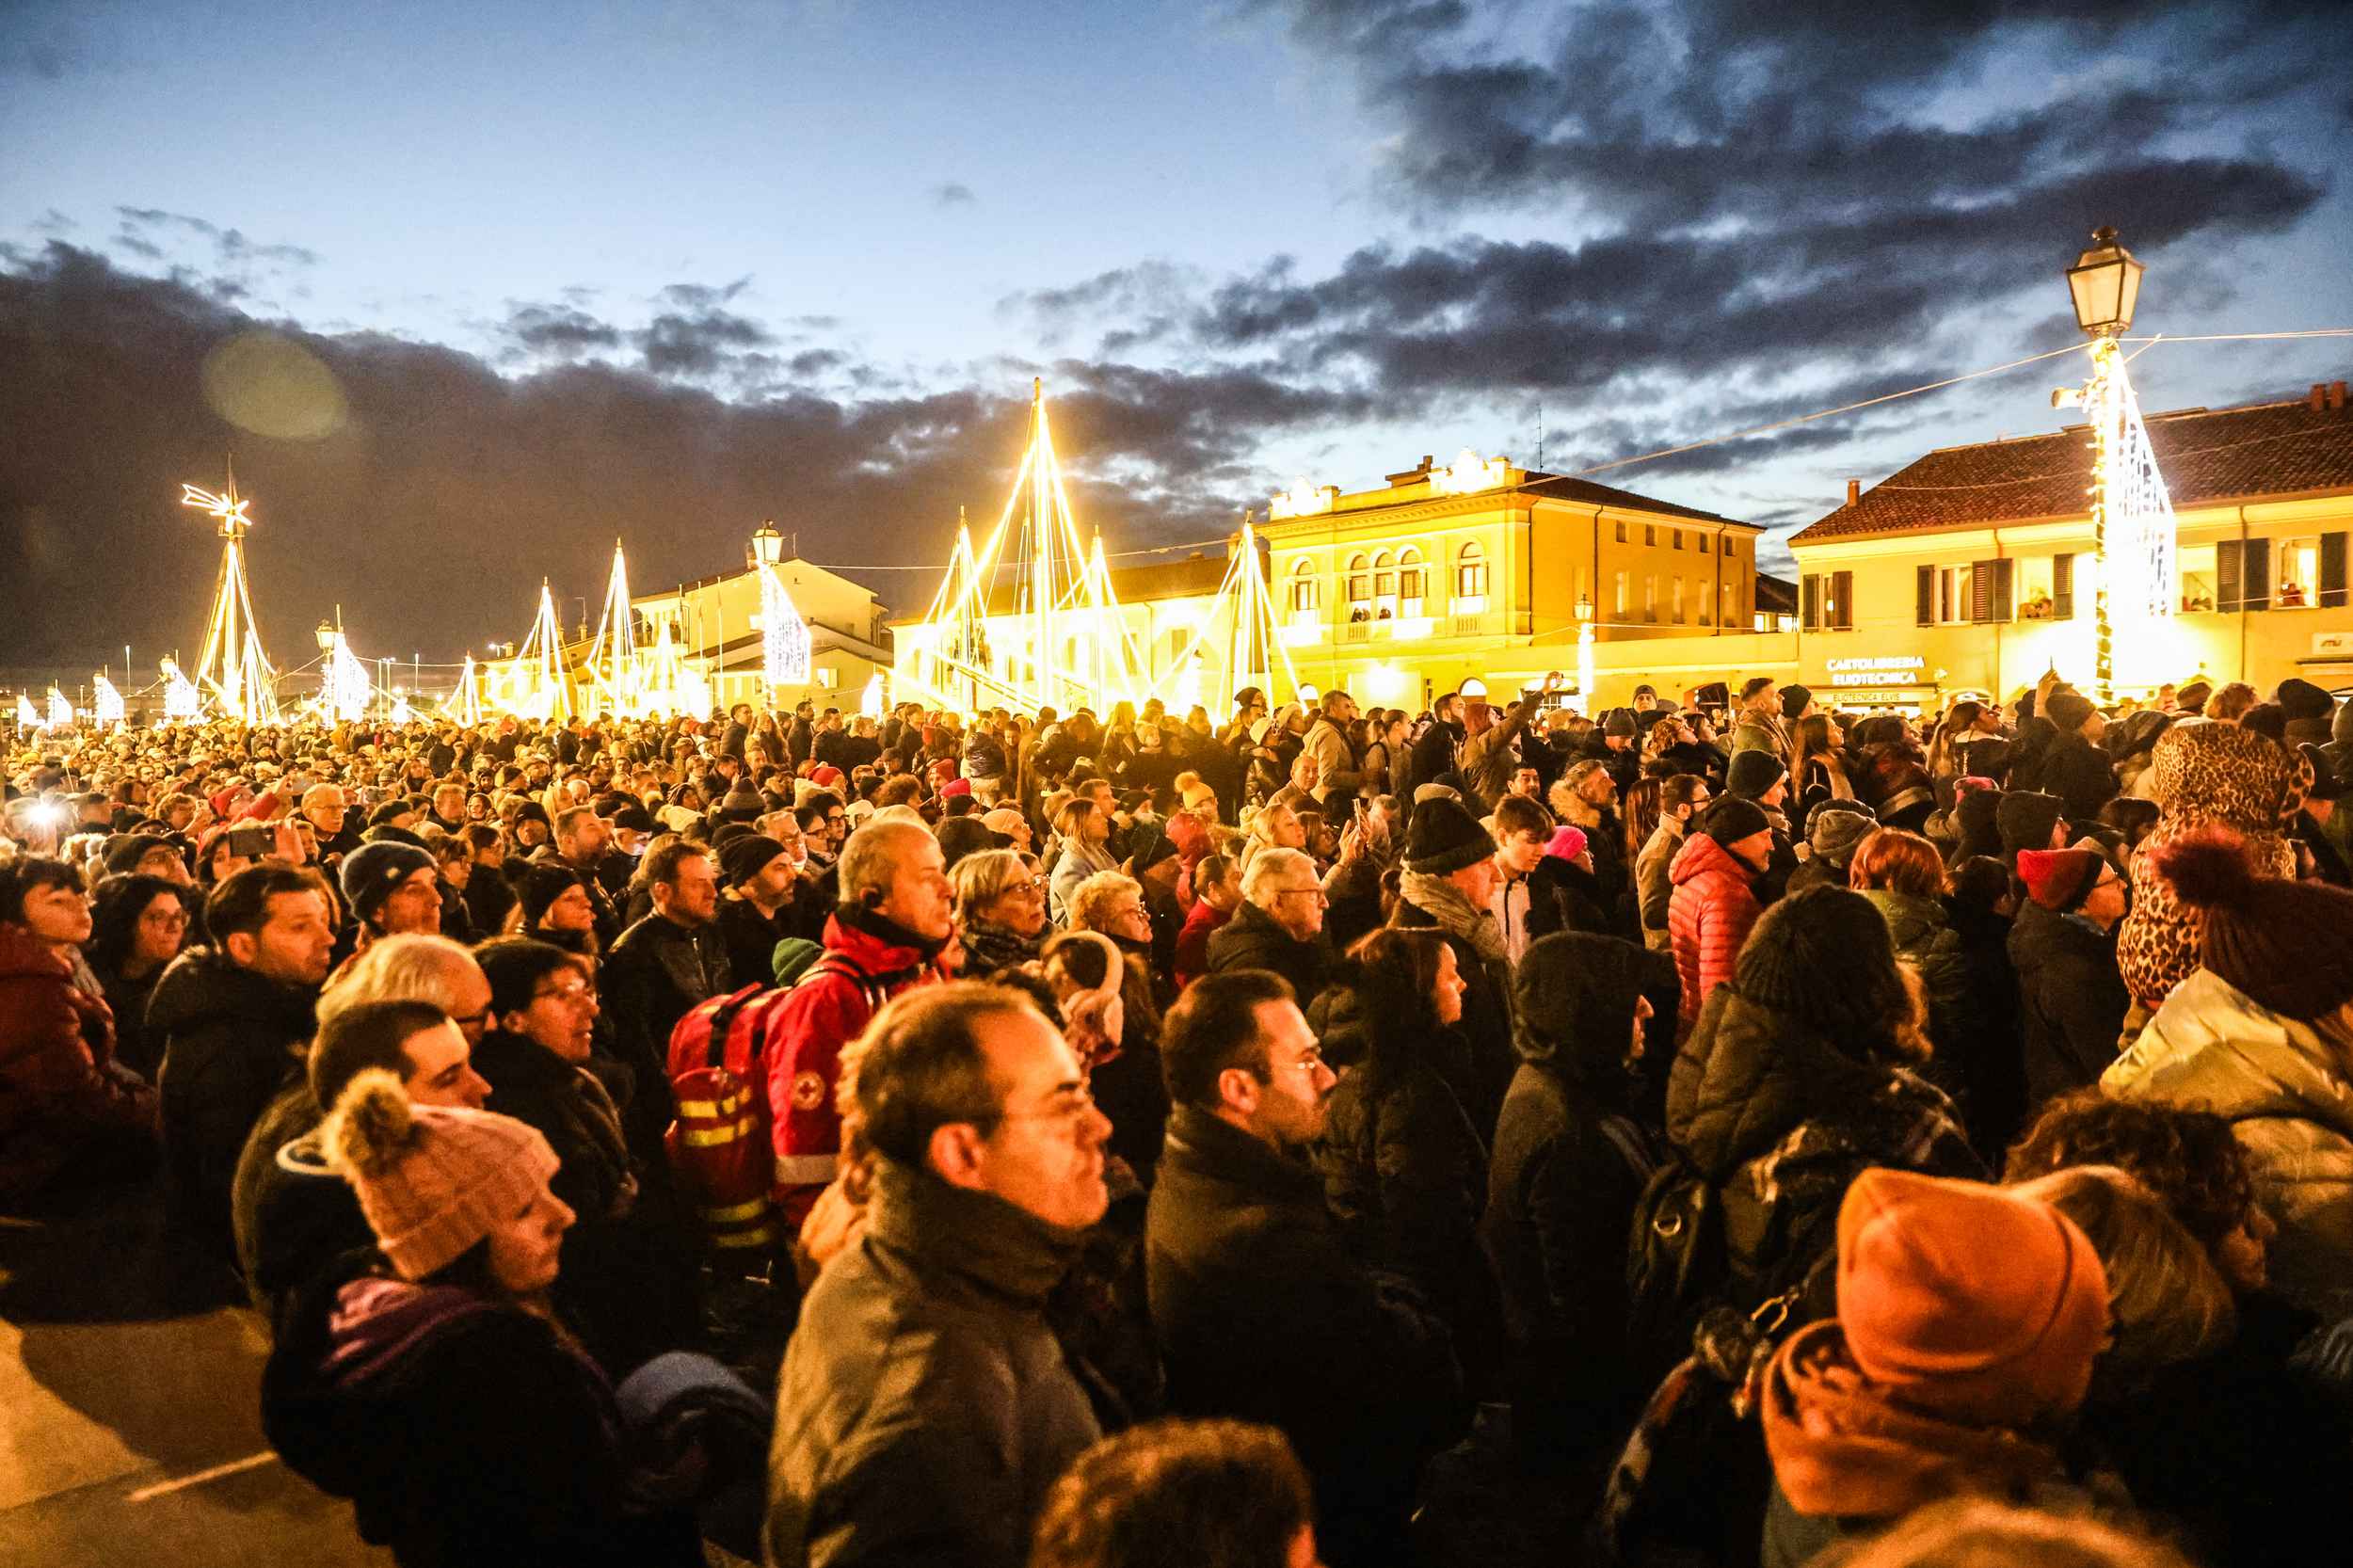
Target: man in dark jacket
(659, 970)
(234, 1019)
(2063, 946)
(2075, 768)
(1570, 1161)
(925, 1407)
(1434, 751)
(1279, 925)
(1260, 1313)
(758, 910)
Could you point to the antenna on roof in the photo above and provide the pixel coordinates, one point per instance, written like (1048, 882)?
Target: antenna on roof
(1540, 434)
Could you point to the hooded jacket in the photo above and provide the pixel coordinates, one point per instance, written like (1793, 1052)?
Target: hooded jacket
(2290, 1103)
(1708, 917)
(232, 1038)
(926, 1406)
(2072, 1000)
(1924, 939)
(59, 1087)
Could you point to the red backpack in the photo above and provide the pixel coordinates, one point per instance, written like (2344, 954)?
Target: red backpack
(719, 1144)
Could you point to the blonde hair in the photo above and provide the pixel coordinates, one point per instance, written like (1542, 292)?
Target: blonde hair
(2166, 1299)
(1092, 898)
(982, 877)
(410, 967)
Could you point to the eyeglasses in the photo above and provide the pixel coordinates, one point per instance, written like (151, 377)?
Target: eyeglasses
(570, 996)
(1315, 893)
(1072, 1102)
(1312, 1062)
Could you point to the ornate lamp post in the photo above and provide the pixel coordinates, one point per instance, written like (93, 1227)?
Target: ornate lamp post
(2104, 286)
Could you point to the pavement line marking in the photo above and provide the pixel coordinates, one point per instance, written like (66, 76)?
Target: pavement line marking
(251, 1461)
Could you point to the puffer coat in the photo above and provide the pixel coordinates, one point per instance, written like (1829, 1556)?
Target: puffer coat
(1709, 916)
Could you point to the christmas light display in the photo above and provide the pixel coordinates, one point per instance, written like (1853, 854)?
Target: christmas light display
(60, 711)
(233, 665)
(183, 702)
(105, 703)
(28, 717)
(343, 684)
(612, 665)
(783, 634)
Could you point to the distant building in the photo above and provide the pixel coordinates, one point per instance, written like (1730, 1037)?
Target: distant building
(717, 623)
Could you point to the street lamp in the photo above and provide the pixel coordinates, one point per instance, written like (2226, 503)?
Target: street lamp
(767, 545)
(326, 635)
(1585, 654)
(2128, 495)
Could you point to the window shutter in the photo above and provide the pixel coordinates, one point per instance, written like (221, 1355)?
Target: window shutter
(2063, 587)
(2228, 595)
(1924, 595)
(2331, 570)
(1842, 601)
(1810, 595)
(2258, 574)
(1981, 591)
(2004, 588)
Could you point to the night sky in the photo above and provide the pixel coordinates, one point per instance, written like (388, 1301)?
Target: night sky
(469, 289)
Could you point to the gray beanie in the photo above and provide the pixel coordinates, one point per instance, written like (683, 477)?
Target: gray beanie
(1837, 827)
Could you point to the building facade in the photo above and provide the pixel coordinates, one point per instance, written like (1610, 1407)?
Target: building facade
(716, 622)
(1973, 569)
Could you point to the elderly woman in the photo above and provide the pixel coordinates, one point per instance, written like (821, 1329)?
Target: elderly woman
(1000, 910)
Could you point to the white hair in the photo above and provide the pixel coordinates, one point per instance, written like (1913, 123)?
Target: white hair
(1268, 866)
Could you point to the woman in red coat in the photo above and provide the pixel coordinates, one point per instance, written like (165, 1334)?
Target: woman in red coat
(65, 1104)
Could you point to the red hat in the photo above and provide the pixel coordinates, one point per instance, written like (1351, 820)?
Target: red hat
(1968, 1301)
(955, 787)
(2058, 879)
(825, 774)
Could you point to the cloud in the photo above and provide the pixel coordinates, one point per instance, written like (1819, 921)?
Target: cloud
(561, 330)
(953, 193)
(230, 247)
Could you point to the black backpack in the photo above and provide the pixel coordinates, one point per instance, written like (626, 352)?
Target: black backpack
(1677, 1264)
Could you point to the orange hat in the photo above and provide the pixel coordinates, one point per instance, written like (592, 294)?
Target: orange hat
(1966, 1300)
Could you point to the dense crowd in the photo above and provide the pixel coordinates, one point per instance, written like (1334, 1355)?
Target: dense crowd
(1723, 1129)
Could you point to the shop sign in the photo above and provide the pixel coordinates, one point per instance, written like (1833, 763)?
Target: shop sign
(1897, 669)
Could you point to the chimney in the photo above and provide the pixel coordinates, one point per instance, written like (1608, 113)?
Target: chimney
(1854, 491)
(2317, 398)
(2336, 395)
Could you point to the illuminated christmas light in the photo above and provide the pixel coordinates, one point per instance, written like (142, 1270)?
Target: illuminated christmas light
(783, 634)
(105, 706)
(183, 702)
(870, 701)
(401, 713)
(60, 711)
(233, 665)
(343, 685)
(27, 717)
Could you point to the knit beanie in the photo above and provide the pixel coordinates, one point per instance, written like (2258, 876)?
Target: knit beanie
(741, 803)
(125, 852)
(432, 1181)
(1823, 957)
(1444, 837)
(1573, 999)
(2190, 696)
(1729, 819)
(1620, 722)
(374, 869)
(2024, 819)
(2301, 699)
(531, 810)
(2287, 945)
(1436, 791)
(791, 958)
(1753, 773)
(1967, 1301)
(1795, 700)
(2068, 710)
(2058, 879)
(1566, 843)
(1005, 821)
(541, 887)
(1837, 826)
(747, 856)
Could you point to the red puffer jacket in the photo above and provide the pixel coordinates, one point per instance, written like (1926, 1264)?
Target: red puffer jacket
(1708, 917)
(58, 1084)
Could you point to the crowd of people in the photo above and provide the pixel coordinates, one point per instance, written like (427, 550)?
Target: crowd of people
(1729, 1128)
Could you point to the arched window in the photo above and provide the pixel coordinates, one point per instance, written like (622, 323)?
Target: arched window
(1470, 579)
(1412, 582)
(1307, 592)
(1359, 588)
(1384, 587)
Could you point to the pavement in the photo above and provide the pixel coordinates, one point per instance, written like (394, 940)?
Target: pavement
(130, 1422)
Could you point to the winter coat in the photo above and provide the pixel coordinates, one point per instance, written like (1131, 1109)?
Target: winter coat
(1916, 927)
(1336, 759)
(1253, 940)
(292, 1215)
(653, 977)
(1486, 1022)
(1434, 756)
(2289, 1099)
(1779, 1119)
(1708, 917)
(2203, 775)
(750, 939)
(62, 1095)
(1570, 1162)
(232, 1038)
(925, 1407)
(2080, 774)
(1263, 1316)
(1758, 730)
(1564, 896)
(1201, 924)
(1404, 1173)
(2072, 1000)
(127, 1000)
(464, 1430)
(1653, 891)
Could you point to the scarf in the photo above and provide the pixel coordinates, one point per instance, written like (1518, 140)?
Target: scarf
(1456, 914)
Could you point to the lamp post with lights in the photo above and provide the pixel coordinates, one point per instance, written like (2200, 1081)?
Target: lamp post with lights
(2104, 287)
(1585, 654)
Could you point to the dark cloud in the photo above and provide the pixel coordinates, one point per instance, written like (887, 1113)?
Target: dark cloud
(702, 344)
(953, 193)
(431, 513)
(231, 247)
(702, 297)
(557, 329)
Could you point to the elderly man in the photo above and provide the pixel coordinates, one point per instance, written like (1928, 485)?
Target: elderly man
(894, 918)
(329, 813)
(925, 1407)
(1259, 1310)
(1280, 923)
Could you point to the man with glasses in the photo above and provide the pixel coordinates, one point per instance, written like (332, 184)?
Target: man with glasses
(928, 1406)
(1681, 797)
(1279, 926)
(1261, 1312)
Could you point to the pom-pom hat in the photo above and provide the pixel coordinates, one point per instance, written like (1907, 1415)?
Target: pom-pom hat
(432, 1180)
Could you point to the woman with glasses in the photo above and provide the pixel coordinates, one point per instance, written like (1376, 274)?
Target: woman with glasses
(1000, 910)
(137, 925)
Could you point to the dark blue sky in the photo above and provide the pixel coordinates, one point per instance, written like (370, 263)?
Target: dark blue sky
(662, 268)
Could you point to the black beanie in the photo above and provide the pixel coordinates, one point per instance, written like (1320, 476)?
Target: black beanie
(1795, 700)
(2068, 710)
(2301, 699)
(1975, 814)
(1753, 773)
(1729, 819)
(746, 856)
(1823, 957)
(1620, 722)
(542, 885)
(1443, 838)
(2024, 819)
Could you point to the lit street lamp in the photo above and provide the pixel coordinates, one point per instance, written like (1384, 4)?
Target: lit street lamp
(1585, 654)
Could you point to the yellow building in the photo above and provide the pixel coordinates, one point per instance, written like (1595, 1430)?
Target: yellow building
(1972, 570)
(1479, 567)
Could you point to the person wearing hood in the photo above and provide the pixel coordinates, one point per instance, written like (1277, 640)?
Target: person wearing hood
(1968, 1319)
(1404, 1173)
(1833, 831)
(2129, 742)
(2078, 768)
(1714, 905)
(1449, 885)
(2262, 1034)
(2315, 831)
(1681, 797)
(430, 1380)
(1571, 1159)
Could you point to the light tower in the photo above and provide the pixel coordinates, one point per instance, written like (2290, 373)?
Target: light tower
(233, 665)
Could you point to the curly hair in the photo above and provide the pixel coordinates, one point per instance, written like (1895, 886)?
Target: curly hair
(2188, 1158)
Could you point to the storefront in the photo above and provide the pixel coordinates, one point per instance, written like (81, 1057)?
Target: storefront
(1894, 683)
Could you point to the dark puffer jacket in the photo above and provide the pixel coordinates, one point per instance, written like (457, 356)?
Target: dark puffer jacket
(2071, 1000)
(232, 1038)
(1780, 1121)
(925, 1407)
(1253, 940)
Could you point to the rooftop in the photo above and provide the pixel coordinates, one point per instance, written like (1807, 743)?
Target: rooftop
(1431, 481)
(2206, 455)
